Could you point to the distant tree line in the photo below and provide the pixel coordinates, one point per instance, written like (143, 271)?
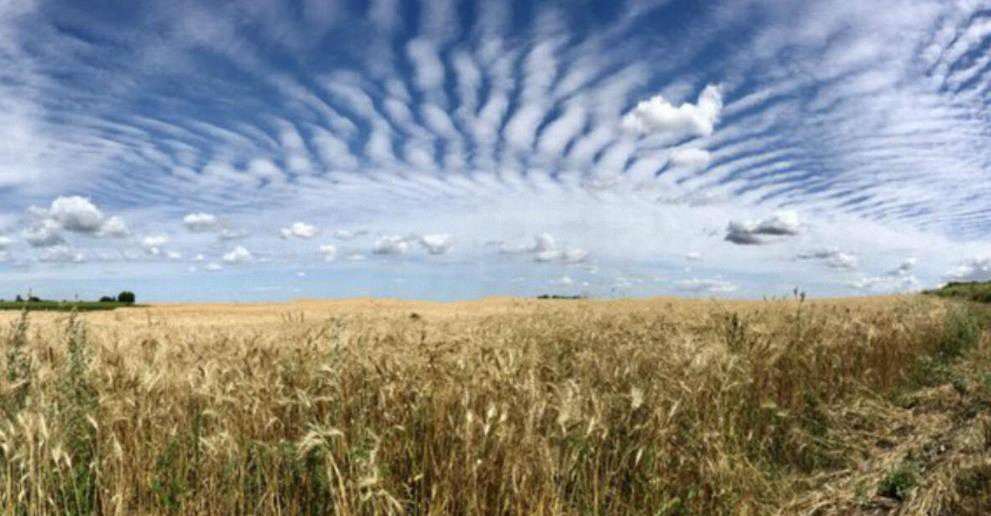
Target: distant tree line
(125, 298)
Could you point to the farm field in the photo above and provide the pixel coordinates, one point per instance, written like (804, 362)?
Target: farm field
(502, 406)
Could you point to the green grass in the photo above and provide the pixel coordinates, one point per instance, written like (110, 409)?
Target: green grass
(62, 306)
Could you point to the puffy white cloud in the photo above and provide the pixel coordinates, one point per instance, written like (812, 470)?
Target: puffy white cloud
(714, 286)
(658, 116)
(214, 267)
(833, 258)
(546, 250)
(391, 245)
(153, 243)
(114, 227)
(782, 224)
(61, 254)
(5, 242)
(903, 268)
(238, 255)
(328, 252)
(199, 222)
(693, 256)
(436, 244)
(886, 283)
(299, 230)
(173, 255)
(76, 214)
(565, 280)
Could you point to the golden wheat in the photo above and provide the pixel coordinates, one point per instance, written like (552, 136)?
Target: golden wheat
(496, 407)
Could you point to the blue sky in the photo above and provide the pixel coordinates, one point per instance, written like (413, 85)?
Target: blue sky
(451, 149)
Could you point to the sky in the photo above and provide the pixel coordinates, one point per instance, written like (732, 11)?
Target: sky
(448, 149)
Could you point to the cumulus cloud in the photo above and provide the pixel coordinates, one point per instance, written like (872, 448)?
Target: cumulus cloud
(153, 243)
(76, 214)
(61, 254)
(45, 233)
(713, 286)
(237, 255)
(328, 252)
(199, 222)
(114, 227)
(658, 116)
(886, 283)
(436, 244)
(782, 224)
(903, 268)
(5, 242)
(833, 258)
(299, 230)
(214, 267)
(391, 245)
(545, 249)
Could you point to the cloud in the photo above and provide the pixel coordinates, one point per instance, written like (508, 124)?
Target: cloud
(214, 267)
(349, 234)
(153, 243)
(886, 283)
(545, 249)
(5, 242)
(903, 268)
(831, 257)
(328, 252)
(436, 244)
(658, 116)
(45, 233)
(299, 230)
(76, 214)
(238, 255)
(713, 286)
(228, 234)
(689, 157)
(782, 224)
(975, 269)
(391, 245)
(61, 254)
(114, 227)
(199, 222)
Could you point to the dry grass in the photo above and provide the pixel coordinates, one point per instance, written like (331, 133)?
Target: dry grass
(502, 406)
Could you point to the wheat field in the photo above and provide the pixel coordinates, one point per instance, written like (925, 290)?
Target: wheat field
(501, 406)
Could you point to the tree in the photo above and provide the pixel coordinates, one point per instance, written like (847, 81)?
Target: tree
(19, 299)
(107, 299)
(126, 297)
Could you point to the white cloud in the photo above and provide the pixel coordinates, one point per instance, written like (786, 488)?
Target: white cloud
(5, 242)
(173, 255)
(545, 249)
(214, 266)
(887, 283)
(238, 255)
(436, 244)
(903, 268)
(693, 256)
(690, 157)
(349, 234)
(76, 214)
(61, 254)
(833, 258)
(199, 222)
(714, 286)
(565, 280)
(153, 243)
(329, 252)
(782, 224)
(658, 116)
(299, 230)
(114, 227)
(976, 269)
(391, 245)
